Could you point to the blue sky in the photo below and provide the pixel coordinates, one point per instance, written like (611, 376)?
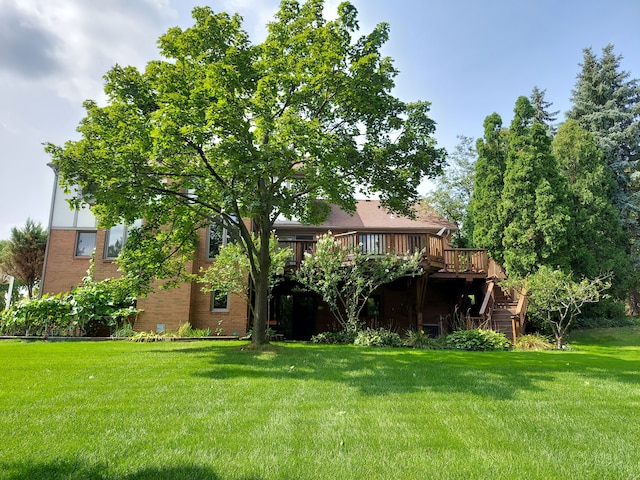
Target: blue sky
(469, 58)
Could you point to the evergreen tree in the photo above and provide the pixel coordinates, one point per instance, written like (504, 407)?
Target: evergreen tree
(607, 104)
(596, 237)
(24, 256)
(541, 107)
(533, 207)
(483, 223)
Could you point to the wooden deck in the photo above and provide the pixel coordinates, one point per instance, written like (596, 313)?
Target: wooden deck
(437, 256)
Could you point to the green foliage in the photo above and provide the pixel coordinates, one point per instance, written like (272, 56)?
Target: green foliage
(533, 341)
(247, 132)
(450, 197)
(230, 272)
(105, 303)
(186, 330)
(124, 331)
(541, 107)
(23, 256)
(590, 323)
(346, 277)
(595, 232)
(477, 339)
(418, 339)
(606, 102)
(89, 309)
(380, 337)
(342, 337)
(50, 315)
(483, 224)
(533, 208)
(556, 298)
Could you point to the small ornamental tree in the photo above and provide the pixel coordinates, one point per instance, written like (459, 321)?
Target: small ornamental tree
(23, 256)
(346, 277)
(557, 298)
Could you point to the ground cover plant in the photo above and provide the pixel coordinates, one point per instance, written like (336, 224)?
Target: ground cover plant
(218, 410)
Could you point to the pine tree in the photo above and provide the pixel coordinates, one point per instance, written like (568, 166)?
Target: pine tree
(541, 107)
(483, 223)
(607, 104)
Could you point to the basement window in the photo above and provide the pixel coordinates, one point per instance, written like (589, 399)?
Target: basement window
(220, 301)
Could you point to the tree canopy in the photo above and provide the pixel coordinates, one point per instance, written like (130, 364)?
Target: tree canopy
(23, 255)
(223, 128)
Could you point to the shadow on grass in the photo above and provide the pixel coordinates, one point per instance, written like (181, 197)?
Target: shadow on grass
(65, 469)
(376, 372)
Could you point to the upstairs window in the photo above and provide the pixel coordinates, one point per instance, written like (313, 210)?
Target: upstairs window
(85, 244)
(116, 236)
(217, 236)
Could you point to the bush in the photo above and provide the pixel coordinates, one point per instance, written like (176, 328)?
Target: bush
(48, 315)
(342, 337)
(89, 309)
(477, 339)
(186, 330)
(418, 339)
(533, 341)
(377, 338)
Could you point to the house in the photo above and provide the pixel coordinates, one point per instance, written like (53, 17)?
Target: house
(457, 289)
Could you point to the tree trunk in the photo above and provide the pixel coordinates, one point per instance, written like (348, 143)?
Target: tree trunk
(262, 289)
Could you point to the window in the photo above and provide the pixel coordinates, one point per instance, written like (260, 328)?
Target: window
(219, 301)
(85, 244)
(218, 236)
(114, 242)
(117, 237)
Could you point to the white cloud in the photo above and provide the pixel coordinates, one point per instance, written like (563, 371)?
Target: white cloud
(81, 40)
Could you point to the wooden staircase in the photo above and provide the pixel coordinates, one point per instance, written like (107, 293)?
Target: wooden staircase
(504, 311)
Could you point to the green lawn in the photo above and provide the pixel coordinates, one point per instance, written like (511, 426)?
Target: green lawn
(212, 410)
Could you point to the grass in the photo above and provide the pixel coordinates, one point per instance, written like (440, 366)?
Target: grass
(213, 410)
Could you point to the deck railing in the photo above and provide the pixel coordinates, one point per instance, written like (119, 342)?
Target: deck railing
(453, 260)
(461, 260)
(431, 246)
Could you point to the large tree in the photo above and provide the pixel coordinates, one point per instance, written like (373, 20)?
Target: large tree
(23, 255)
(483, 223)
(533, 209)
(244, 133)
(606, 102)
(595, 233)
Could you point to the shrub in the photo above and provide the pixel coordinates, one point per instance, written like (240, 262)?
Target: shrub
(51, 315)
(125, 331)
(107, 303)
(533, 341)
(377, 338)
(477, 339)
(419, 339)
(186, 330)
(343, 337)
